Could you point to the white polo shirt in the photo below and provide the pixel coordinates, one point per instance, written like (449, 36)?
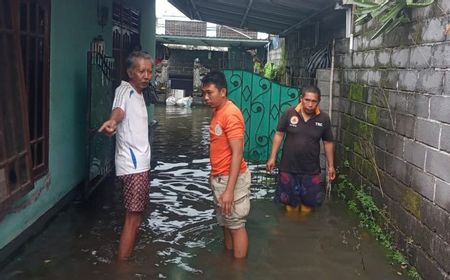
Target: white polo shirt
(132, 144)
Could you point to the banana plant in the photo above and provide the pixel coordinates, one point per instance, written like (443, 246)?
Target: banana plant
(390, 13)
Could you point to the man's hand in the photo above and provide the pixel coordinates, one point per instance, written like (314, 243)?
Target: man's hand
(226, 202)
(109, 127)
(277, 139)
(270, 164)
(331, 174)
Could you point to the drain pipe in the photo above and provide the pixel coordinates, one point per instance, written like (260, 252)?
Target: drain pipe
(330, 111)
(330, 105)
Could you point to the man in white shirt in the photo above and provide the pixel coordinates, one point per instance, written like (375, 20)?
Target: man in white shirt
(132, 158)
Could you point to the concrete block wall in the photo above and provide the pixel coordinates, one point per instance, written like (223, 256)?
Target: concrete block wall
(323, 77)
(276, 55)
(395, 99)
(185, 28)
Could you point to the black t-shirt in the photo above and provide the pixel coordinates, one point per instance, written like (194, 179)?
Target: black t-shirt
(301, 148)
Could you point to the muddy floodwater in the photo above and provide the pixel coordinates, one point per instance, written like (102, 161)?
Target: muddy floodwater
(179, 238)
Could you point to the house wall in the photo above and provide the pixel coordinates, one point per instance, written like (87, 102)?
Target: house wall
(73, 26)
(148, 23)
(148, 34)
(69, 41)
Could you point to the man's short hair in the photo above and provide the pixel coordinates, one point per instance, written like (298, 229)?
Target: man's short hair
(134, 56)
(217, 78)
(312, 89)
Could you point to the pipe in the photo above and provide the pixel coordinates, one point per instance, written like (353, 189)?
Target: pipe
(330, 111)
(330, 104)
(237, 31)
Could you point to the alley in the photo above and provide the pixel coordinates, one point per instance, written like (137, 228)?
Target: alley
(179, 238)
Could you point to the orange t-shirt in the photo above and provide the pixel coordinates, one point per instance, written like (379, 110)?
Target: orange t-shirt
(227, 124)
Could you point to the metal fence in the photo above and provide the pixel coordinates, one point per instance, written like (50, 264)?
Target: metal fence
(262, 102)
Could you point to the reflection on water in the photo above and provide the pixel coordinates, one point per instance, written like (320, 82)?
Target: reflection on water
(179, 238)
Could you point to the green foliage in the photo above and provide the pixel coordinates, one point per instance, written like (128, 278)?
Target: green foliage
(390, 13)
(370, 215)
(346, 163)
(280, 71)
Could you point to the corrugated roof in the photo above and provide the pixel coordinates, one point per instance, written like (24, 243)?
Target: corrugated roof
(270, 16)
(210, 41)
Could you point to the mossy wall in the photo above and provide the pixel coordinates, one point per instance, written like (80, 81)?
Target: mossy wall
(394, 119)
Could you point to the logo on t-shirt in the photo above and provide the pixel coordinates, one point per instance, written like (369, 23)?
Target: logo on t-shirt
(319, 124)
(294, 120)
(218, 130)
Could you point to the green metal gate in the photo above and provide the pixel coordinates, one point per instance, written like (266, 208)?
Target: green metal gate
(99, 147)
(262, 102)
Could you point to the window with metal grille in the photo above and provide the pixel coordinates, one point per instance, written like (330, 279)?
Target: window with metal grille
(126, 38)
(34, 39)
(15, 157)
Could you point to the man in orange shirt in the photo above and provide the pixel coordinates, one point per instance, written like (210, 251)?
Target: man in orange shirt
(230, 178)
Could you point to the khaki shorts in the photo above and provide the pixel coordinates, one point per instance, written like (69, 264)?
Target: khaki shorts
(241, 207)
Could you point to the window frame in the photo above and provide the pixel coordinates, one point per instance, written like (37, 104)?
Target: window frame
(41, 168)
(12, 161)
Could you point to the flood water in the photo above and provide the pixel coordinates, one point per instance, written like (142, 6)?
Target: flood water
(179, 238)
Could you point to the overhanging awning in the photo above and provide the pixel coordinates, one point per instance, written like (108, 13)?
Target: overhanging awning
(210, 41)
(270, 16)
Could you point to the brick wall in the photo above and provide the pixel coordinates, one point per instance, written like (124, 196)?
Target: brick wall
(392, 103)
(227, 32)
(185, 28)
(395, 101)
(323, 83)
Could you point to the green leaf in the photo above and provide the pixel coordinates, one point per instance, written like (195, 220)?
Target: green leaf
(363, 19)
(401, 20)
(360, 3)
(382, 8)
(393, 13)
(412, 4)
(381, 29)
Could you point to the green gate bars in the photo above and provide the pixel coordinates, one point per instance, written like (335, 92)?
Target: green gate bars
(262, 102)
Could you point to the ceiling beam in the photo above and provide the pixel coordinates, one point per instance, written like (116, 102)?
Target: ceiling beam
(185, 9)
(257, 27)
(244, 18)
(264, 10)
(253, 24)
(194, 7)
(305, 20)
(300, 5)
(212, 13)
